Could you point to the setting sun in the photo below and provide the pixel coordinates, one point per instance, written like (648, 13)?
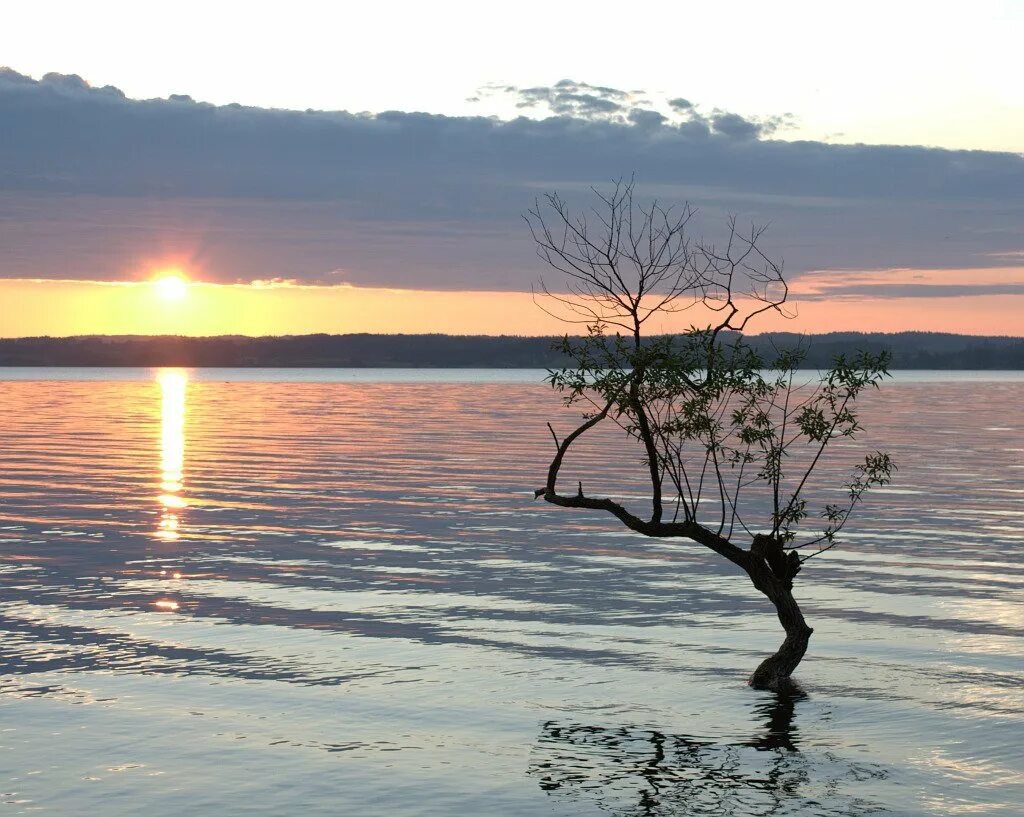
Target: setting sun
(171, 287)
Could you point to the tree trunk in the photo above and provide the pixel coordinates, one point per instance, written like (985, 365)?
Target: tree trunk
(775, 671)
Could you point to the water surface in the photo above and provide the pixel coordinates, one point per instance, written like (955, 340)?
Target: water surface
(240, 592)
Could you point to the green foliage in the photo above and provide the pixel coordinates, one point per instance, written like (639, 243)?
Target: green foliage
(738, 435)
(730, 436)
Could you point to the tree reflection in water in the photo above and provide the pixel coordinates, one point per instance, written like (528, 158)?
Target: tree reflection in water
(632, 770)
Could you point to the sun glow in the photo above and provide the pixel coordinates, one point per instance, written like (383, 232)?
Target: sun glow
(171, 287)
(33, 308)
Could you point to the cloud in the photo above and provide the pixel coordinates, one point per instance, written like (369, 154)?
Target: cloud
(735, 126)
(890, 291)
(570, 98)
(910, 283)
(601, 103)
(97, 186)
(646, 118)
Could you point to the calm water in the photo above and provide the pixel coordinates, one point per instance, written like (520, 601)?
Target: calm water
(238, 593)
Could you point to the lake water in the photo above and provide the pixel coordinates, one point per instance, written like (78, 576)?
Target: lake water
(328, 593)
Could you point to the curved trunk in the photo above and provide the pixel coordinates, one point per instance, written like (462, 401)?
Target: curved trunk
(775, 671)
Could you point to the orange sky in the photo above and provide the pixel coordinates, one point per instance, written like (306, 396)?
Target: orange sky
(62, 308)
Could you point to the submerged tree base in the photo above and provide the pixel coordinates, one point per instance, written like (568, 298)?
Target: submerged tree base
(775, 672)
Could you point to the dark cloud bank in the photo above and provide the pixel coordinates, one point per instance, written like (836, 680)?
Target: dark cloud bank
(93, 184)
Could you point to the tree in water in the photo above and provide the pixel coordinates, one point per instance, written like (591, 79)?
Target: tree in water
(730, 439)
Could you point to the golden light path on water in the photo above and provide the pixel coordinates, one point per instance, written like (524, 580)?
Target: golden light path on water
(173, 384)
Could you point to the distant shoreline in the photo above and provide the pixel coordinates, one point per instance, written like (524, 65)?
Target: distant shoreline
(910, 350)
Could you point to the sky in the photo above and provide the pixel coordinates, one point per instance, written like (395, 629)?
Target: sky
(313, 167)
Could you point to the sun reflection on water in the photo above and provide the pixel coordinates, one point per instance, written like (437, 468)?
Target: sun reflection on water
(172, 383)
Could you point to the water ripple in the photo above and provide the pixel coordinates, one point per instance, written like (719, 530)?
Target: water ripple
(233, 594)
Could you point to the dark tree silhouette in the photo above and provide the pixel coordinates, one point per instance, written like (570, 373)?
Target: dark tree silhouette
(729, 439)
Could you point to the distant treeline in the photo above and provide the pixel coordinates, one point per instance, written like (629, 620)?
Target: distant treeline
(910, 350)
